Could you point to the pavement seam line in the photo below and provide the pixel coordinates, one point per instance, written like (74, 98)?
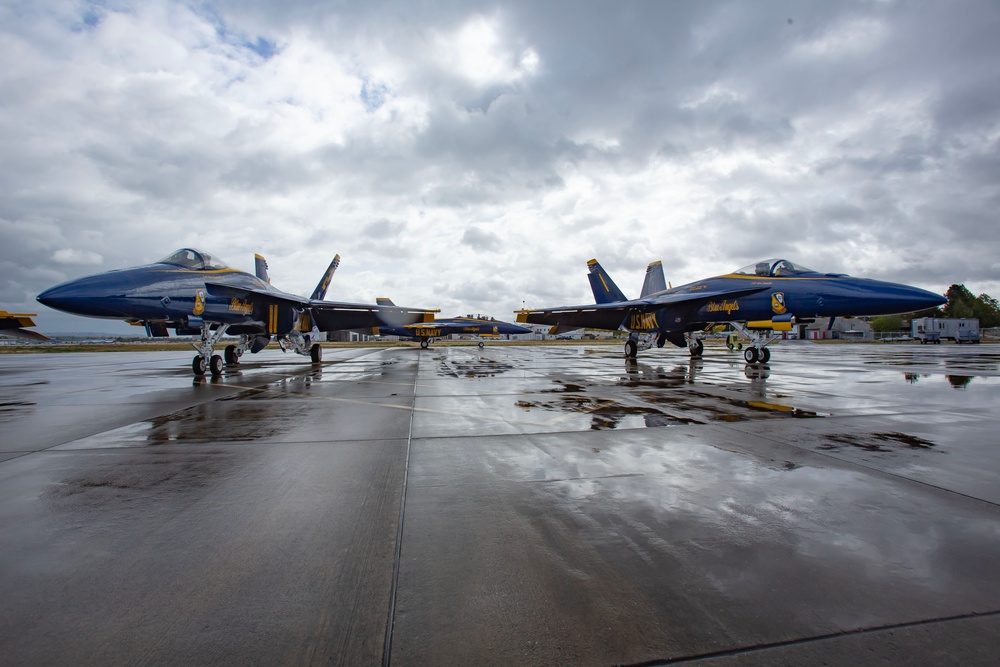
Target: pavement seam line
(808, 640)
(387, 649)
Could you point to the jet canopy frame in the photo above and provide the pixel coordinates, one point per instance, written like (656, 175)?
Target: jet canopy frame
(197, 260)
(773, 268)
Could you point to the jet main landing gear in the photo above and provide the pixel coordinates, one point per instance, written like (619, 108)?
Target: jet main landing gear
(756, 352)
(753, 356)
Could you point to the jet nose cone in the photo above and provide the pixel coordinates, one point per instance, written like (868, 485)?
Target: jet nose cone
(921, 299)
(90, 296)
(60, 297)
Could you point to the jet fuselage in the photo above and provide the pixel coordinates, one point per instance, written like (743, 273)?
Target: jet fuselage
(805, 296)
(159, 293)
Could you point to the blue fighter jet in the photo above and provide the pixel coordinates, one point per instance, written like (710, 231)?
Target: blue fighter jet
(426, 332)
(758, 300)
(194, 293)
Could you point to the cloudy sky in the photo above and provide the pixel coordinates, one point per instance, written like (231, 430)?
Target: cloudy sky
(472, 156)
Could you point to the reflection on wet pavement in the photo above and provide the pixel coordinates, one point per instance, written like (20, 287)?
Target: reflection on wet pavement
(563, 506)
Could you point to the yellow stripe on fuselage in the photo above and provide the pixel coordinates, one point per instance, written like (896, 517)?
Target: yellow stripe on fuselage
(740, 276)
(272, 322)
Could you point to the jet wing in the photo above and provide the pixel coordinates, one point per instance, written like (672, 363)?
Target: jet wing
(334, 316)
(13, 325)
(329, 315)
(612, 315)
(228, 291)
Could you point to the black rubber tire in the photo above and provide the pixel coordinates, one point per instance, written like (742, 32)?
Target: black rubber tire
(316, 353)
(480, 343)
(424, 344)
(215, 365)
(750, 354)
(697, 348)
(765, 355)
(631, 349)
(230, 355)
(199, 365)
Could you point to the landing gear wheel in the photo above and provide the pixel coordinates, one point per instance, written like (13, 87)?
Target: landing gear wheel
(631, 349)
(199, 365)
(230, 355)
(765, 355)
(480, 343)
(215, 364)
(697, 348)
(750, 355)
(423, 344)
(316, 353)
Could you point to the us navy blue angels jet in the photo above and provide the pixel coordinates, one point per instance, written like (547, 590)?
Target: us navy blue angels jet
(194, 293)
(426, 332)
(759, 300)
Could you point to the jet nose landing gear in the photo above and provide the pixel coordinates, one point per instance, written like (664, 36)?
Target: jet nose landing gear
(205, 360)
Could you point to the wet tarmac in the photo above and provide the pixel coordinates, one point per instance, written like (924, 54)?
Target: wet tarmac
(510, 505)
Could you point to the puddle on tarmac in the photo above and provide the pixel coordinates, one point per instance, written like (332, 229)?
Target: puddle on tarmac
(103, 486)
(473, 368)
(875, 442)
(220, 421)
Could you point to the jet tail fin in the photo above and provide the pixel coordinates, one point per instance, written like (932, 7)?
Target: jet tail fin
(654, 281)
(324, 283)
(260, 268)
(605, 290)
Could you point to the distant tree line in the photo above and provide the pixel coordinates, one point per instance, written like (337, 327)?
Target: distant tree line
(961, 304)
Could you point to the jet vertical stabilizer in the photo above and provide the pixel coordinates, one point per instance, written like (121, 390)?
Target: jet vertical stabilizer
(324, 283)
(654, 281)
(260, 268)
(605, 290)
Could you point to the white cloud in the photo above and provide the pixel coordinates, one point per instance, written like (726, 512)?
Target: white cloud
(476, 52)
(78, 257)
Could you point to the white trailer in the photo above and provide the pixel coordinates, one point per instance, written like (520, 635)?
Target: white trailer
(936, 329)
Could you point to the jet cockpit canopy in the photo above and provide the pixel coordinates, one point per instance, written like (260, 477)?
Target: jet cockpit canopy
(770, 268)
(190, 258)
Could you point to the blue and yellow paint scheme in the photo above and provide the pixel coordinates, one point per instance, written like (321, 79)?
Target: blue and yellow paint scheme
(425, 332)
(192, 292)
(770, 295)
(16, 325)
